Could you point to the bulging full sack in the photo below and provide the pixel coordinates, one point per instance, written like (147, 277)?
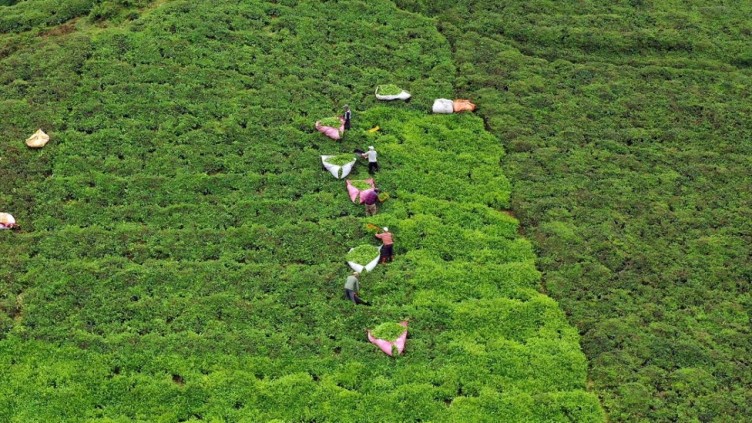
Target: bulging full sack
(443, 105)
(6, 221)
(339, 171)
(354, 192)
(463, 106)
(331, 132)
(38, 140)
(386, 345)
(403, 95)
(369, 266)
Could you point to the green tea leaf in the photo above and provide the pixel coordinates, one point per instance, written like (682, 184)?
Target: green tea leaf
(389, 89)
(331, 121)
(341, 159)
(363, 254)
(388, 331)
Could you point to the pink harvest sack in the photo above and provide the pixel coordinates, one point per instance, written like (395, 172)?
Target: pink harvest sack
(386, 346)
(333, 133)
(354, 192)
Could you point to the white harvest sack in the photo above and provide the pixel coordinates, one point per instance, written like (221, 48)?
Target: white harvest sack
(443, 105)
(404, 95)
(38, 139)
(6, 219)
(368, 267)
(335, 169)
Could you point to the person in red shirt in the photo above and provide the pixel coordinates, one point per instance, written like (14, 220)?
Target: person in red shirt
(387, 247)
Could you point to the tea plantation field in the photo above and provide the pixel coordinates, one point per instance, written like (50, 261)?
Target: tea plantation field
(181, 252)
(629, 136)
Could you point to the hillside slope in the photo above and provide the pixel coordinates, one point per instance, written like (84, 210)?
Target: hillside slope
(181, 253)
(629, 139)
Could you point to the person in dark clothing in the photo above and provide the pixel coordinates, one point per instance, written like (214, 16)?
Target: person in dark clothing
(352, 287)
(346, 116)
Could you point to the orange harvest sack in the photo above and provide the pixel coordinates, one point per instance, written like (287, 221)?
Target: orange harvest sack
(463, 106)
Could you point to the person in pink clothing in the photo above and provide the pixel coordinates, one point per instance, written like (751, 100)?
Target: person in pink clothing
(387, 247)
(370, 197)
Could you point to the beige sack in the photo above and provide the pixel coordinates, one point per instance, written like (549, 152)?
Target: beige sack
(38, 140)
(6, 219)
(463, 106)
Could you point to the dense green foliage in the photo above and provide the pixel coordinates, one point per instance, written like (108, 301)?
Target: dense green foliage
(360, 184)
(341, 159)
(182, 252)
(388, 331)
(333, 122)
(389, 89)
(628, 126)
(362, 254)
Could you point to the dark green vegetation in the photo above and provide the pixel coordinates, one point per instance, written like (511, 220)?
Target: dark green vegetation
(360, 184)
(629, 135)
(182, 252)
(35, 15)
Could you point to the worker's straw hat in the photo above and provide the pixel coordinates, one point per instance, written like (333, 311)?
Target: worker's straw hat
(386, 229)
(370, 147)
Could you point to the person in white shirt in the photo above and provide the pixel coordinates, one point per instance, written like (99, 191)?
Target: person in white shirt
(373, 164)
